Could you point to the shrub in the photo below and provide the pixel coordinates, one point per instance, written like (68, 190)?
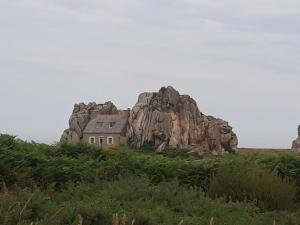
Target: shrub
(250, 182)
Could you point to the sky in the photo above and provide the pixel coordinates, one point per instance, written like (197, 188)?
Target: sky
(238, 59)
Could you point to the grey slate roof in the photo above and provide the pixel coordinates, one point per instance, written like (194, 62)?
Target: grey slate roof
(102, 122)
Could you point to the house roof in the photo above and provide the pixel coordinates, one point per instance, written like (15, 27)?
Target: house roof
(101, 124)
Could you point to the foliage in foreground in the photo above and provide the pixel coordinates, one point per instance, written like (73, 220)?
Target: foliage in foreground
(265, 188)
(166, 203)
(55, 184)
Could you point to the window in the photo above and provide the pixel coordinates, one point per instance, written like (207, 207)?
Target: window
(92, 140)
(99, 124)
(110, 140)
(101, 140)
(111, 124)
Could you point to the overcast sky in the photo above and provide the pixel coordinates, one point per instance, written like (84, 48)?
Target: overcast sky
(238, 59)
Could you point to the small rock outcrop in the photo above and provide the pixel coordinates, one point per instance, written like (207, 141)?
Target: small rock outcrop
(81, 116)
(167, 119)
(296, 143)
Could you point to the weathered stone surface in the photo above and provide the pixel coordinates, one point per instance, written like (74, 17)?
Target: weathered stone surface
(163, 119)
(296, 143)
(80, 117)
(168, 119)
(70, 135)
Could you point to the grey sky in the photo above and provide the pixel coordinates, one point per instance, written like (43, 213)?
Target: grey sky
(238, 59)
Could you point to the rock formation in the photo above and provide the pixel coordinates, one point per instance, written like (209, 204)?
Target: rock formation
(80, 117)
(296, 143)
(163, 119)
(168, 119)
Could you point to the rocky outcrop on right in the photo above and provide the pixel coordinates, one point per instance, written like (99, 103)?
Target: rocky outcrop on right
(166, 119)
(296, 143)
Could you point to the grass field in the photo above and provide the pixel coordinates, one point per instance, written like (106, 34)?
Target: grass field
(264, 150)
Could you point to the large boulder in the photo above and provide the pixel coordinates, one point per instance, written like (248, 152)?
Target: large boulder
(296, 143)
(167, 119)
(81, 116)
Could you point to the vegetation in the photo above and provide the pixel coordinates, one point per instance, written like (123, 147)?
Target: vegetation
(75, 183)
(263, 187)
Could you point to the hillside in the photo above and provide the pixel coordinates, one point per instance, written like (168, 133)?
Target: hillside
(71, 183)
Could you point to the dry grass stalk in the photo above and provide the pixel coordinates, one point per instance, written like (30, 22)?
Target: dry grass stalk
(56, 214)
(133, 222)
(274, 223)
(181, 222)
(211, 221)
(25, 206)
(80, 219)
(124, 219)
(5, 189)
(115, 220)
(12, 207)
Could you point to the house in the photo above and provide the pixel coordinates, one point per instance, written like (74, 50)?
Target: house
(106, 131)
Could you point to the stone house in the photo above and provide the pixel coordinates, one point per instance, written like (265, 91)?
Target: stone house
(106, 131)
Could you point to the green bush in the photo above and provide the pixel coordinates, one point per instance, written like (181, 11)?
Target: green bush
(250, 182)
(29, 164)
(65, 180)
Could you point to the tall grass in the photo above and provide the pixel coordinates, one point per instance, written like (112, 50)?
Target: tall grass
(142, 202)
(250, 182)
